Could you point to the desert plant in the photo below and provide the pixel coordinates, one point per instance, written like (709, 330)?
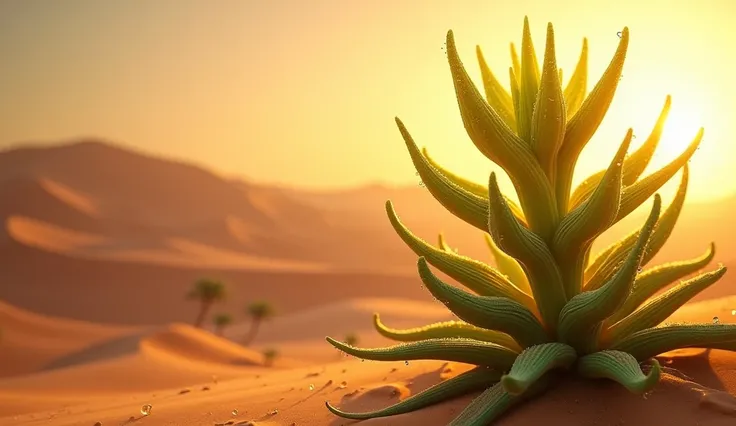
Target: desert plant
(207, 292)
(269, 356)
(258, 312)
(548, 305)
(351, 339)
(221, 321)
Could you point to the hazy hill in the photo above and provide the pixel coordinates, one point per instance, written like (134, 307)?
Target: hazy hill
(125, 231)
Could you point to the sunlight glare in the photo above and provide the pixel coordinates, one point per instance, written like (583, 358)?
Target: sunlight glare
(683, 123)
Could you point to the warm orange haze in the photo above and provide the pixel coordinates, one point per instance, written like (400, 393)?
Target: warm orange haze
(192, 197)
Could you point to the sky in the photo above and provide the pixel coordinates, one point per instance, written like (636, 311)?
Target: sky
(304, 92)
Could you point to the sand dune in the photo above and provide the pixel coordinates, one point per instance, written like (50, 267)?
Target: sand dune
(173, 367)
(303, 332)
(147, 239)
(31, 342)
(53, 363)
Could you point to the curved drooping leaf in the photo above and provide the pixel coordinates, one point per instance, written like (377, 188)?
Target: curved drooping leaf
(620, 367)
(473, 380)
(470, 186)
(463, 204)
(651, 342)
(534, 363)
(446, 330)
(458, 350)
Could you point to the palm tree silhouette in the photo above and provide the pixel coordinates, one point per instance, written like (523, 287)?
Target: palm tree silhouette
(258, 312)
(207, 292)
(269, 355)
(221, 321)
(351, 339)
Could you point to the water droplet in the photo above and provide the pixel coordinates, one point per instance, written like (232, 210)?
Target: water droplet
(273, 412)
(343, 384)
(716, 320)
(733, 311)
(406, 362)
(146, 409)
(618, 163)
(311, 387)
(234, 412)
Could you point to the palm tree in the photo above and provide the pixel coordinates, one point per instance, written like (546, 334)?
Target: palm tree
(351, 339)
(207, 292)
(258, 312)
(221, 321)
(269, 355)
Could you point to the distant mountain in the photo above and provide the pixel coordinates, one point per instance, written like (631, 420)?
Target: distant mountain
(94, 204)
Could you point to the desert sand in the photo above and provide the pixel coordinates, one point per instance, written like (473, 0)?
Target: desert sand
(190, 377)
(95, 324)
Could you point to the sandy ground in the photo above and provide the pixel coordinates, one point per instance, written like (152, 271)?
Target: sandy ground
(63, 373)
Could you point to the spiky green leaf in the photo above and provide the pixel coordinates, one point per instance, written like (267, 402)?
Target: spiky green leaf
(585, 122)
(581, 226)
(499, 143)
(652, 280)
(471, 273)
(580, 319)
(531, 252)
(445, 330)
(508, 266)
(529, 84)
(492, 313)
(578, 85)
(498, 98)
(654, 341)
(548, 120)
(660, 308)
